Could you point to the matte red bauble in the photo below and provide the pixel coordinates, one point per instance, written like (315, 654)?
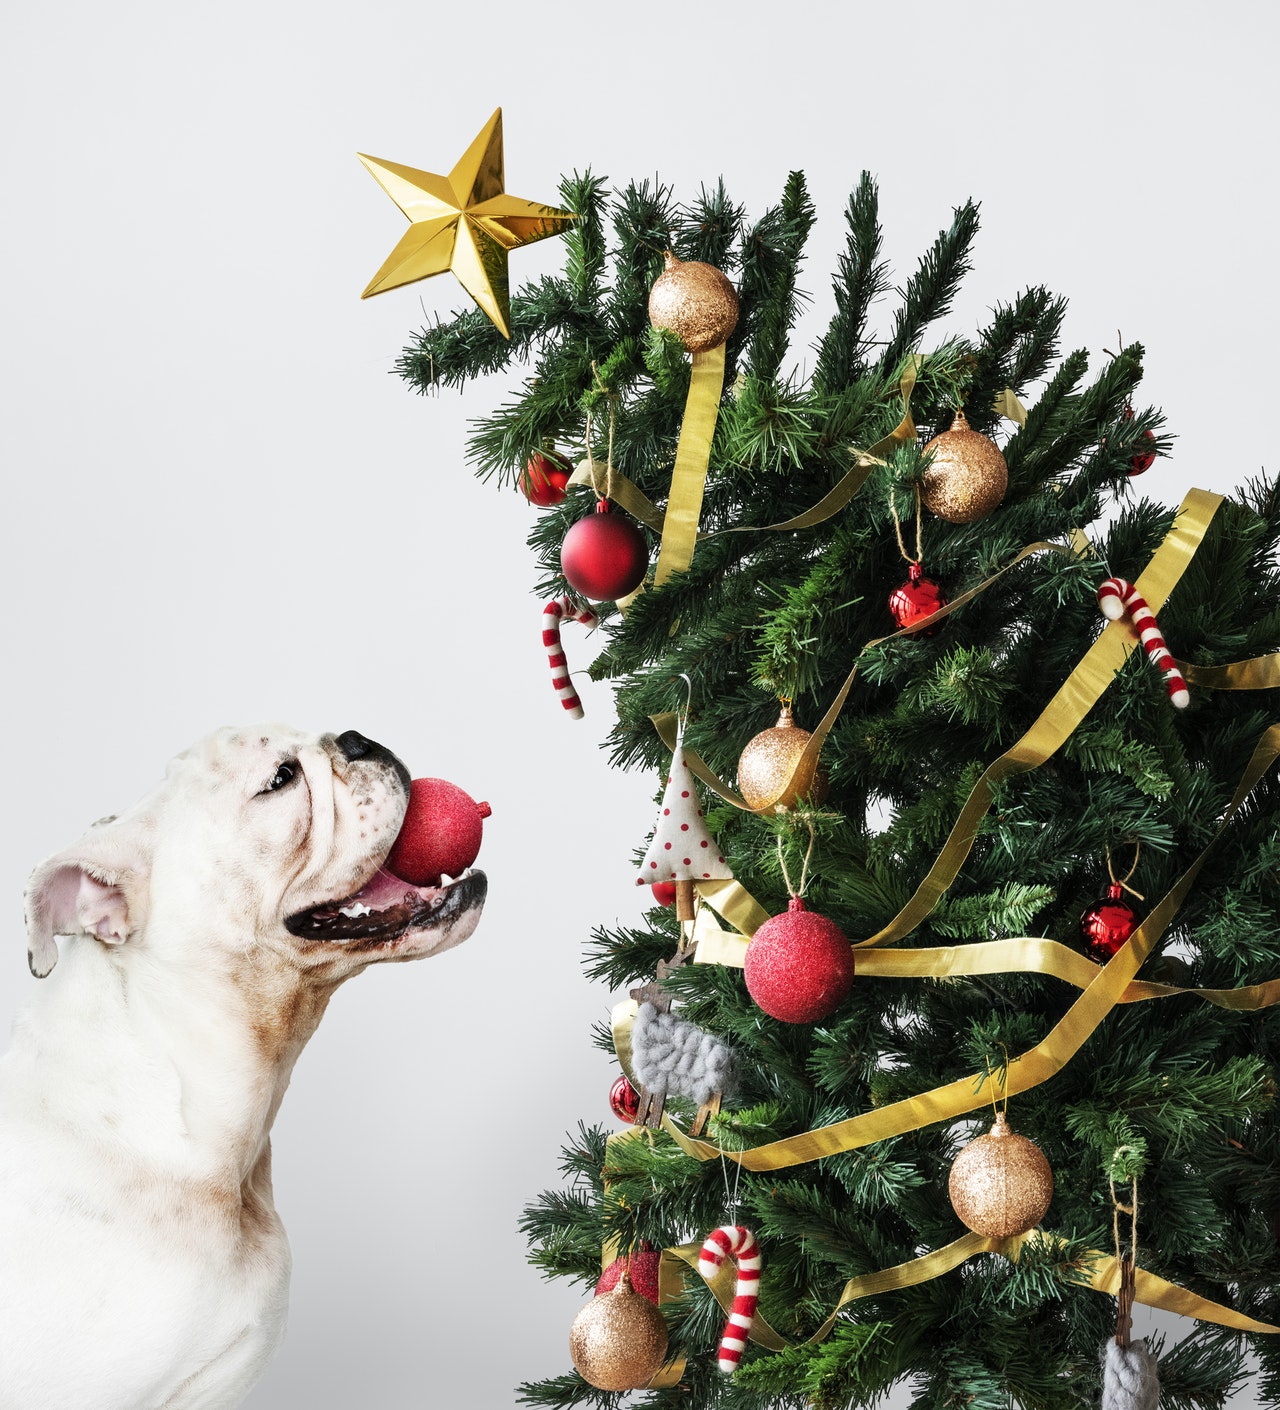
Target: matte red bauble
(643, 1270)
(545, 477)
(604, 556)
(916, 598)
(664, 892)
(440, 835)
(624, 1100)
(1106, 926)
(799, 965)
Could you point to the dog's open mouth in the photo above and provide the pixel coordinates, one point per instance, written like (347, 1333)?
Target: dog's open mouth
(387, 909)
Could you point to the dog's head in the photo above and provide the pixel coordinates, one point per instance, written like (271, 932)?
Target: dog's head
(259, 838)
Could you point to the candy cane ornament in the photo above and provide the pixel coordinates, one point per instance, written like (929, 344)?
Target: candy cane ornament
(1116, 597)
(734, 1241)
(552, 614)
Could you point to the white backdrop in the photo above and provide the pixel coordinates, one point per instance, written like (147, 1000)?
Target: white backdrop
(221, 508)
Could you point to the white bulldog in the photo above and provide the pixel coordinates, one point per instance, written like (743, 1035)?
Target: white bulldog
(142, 1262)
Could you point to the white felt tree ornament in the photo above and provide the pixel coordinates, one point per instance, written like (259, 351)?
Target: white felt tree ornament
(682, 849)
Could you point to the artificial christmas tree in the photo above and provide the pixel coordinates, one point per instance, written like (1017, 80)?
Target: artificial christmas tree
(976, 771)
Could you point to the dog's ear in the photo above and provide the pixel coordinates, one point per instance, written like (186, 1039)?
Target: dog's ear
(95, 888)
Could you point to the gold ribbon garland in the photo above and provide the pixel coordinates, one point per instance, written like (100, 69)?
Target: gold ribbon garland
(1103, 1276)
(693, 457)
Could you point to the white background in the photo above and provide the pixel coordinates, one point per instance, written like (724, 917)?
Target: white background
(220, 506)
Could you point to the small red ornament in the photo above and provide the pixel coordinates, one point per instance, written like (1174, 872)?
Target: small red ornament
(625, 1101)
(916, 598)
(440, 835)
(1144, 459)
(604, 556)
(664, 892)
(545, 477)
(1107, 924)
(643, 1272)
(799, 965)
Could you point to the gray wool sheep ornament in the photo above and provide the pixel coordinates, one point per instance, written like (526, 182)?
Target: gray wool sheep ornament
(670, 1055)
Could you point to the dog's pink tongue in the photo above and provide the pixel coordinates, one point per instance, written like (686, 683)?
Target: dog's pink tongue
(440, 835)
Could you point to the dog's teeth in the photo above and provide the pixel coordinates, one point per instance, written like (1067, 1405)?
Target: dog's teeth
(445, 879)
(355, 911)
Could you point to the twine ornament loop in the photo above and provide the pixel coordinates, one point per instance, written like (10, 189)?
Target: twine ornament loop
(1123, 881)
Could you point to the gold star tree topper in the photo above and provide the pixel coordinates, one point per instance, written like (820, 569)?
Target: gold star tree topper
(465, 222)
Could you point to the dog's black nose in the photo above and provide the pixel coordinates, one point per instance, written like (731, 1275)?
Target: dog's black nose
(354, 745)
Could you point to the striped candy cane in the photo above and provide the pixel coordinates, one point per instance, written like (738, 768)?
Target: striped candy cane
(1116, 597)
(552, 613)
(733, 1241)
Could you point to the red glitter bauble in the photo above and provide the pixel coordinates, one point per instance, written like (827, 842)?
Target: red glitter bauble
(624, 1100)
(664, 892)
(1106, 925)
(799, 965)
(440, 834)
(604, 556)
(916, 598)
(643, 1273)
(545, 477)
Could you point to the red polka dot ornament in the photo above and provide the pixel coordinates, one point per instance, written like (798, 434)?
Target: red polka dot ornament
(683, 851)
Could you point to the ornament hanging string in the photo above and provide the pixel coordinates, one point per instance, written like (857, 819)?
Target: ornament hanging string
(794, 891)
(1128, 1262)
(1124, 880)
(897, 528)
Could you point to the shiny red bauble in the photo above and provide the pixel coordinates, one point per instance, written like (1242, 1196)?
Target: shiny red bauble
(440, 835)
(664, 892)
(624, 1100)
(1106, 926)
(799, 965)
(642, 1268)
(916, 598)
(1144, 459)
(604, 556)
(545, 478)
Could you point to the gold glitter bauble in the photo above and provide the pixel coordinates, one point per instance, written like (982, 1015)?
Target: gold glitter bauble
(619, 1340)
(1001, 1183)
(765, 765)
(695, 302)
(968, 476)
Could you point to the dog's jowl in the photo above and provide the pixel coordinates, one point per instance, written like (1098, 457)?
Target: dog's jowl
(186, 951)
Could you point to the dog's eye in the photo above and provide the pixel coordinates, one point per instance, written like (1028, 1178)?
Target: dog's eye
(284, 774)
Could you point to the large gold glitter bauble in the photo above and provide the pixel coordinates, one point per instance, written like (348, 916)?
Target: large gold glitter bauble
(765, 765)
(619, 1340)
(695, 302)
(968, 476)
(1001, 1183)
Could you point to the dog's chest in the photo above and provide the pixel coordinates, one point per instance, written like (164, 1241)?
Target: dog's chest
(178, 1298)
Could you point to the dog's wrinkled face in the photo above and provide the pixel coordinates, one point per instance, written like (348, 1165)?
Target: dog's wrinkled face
(259, 837)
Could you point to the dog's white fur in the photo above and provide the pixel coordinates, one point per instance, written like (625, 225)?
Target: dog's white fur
(142, 1263)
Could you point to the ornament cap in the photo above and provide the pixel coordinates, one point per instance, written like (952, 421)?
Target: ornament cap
(1000, 1126)
(670, 261)
(1115, 892)
(959, 422)
(785, 720)
(602, 505)
(796, 903)
(916, 571)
